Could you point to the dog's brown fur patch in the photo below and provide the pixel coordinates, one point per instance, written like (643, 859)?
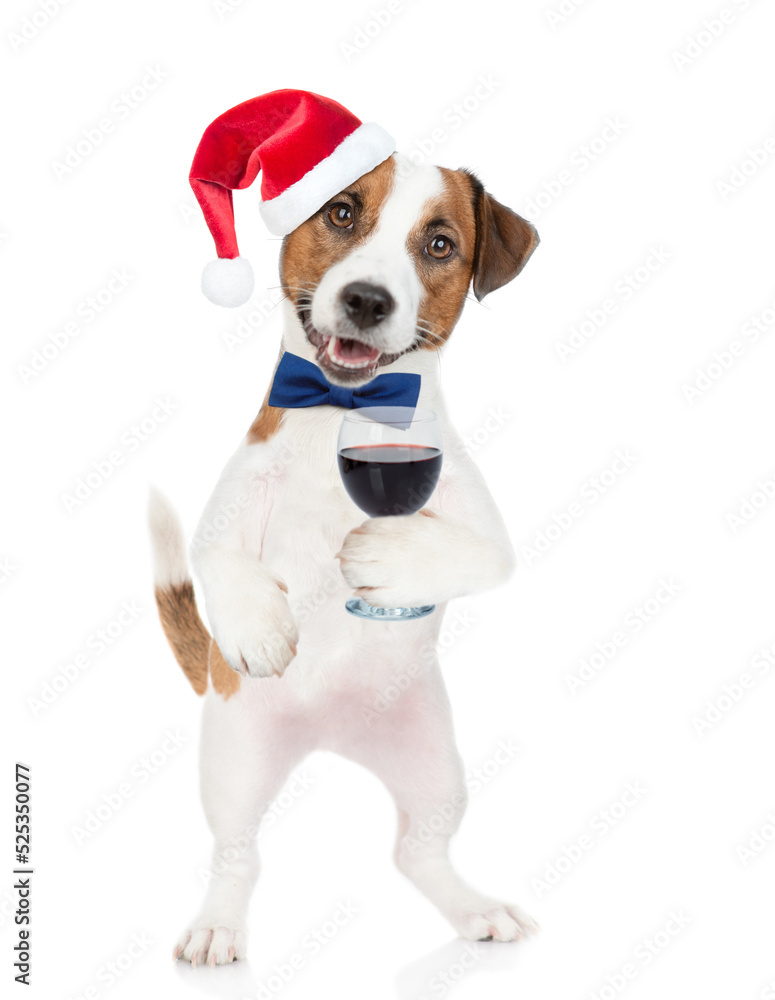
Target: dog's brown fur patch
(267, 422)
(268, 419)
(185, 631)
(314, 247)
(446, 282)
(225, 680)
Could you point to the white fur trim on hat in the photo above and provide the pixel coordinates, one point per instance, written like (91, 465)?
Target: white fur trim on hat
(228, 282)
(357, 154)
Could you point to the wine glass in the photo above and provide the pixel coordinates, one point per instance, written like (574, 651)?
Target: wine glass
(389, 460)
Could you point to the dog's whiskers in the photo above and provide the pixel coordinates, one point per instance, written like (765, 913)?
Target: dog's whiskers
(307, 291)
(310, 287)
(425, 337)
(428, 332)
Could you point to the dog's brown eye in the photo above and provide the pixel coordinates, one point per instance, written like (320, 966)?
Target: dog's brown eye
(341, 215)
(439, 247)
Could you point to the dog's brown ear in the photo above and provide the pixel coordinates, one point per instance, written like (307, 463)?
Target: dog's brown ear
(504, 242)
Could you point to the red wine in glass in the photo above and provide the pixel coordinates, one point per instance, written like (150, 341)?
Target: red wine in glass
(390, 479)
(390, 460)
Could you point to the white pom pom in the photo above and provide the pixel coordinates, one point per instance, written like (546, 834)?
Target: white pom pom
(228, 282)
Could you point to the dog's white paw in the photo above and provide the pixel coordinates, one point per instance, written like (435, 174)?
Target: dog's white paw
(422, 558)
(252, 623)
(211, 945)
(485, 919)
(391, 561)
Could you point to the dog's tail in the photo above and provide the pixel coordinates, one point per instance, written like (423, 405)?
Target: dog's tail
(174, 590)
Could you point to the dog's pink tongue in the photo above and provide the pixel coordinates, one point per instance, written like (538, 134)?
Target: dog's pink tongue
(354, 352)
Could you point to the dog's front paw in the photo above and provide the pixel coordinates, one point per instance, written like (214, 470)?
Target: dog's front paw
(395, 561)
(253, 625)
(494, 921)
(211, 945)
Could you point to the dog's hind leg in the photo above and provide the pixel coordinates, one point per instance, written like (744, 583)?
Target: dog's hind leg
(411, 747)
(246, 755)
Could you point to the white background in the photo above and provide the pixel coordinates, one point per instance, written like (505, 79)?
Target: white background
(685, 125)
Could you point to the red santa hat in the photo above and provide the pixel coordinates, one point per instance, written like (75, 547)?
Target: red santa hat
(307, 148)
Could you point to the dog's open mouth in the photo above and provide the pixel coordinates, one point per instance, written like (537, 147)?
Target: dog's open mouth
(342, 357)
(351, 353)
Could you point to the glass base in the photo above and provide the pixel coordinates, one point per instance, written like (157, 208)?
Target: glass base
(358, 607)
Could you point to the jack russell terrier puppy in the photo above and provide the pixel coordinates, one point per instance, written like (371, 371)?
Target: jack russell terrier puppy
(374, 282)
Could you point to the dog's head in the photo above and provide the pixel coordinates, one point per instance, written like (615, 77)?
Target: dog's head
(384, 267)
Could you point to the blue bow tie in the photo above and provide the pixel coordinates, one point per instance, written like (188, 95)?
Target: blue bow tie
(298, 382)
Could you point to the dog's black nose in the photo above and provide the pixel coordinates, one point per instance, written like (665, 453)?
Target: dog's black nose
(365, 304)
